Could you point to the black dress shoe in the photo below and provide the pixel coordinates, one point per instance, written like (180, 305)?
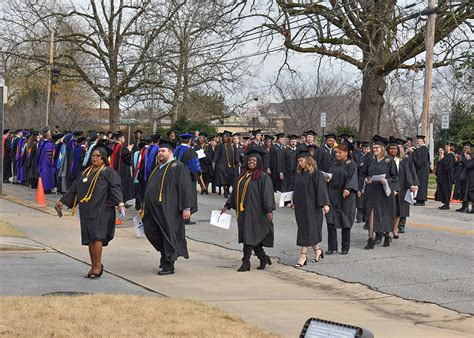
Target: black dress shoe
(344, 251)
(461, 209)
(444, 207)
(401, 229)
(165, 272)
(330, 252)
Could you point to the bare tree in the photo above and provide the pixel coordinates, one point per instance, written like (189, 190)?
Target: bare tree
(377, 37)
(106, 43)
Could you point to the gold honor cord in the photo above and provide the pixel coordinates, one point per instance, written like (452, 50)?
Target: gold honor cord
(160, 199)
(227, 154)
(240, 205)
(90, 191)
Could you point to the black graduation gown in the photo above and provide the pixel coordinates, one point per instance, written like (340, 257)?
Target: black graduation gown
(343, 210)
(406, 178)
(278, 166)
(444, 178)
(375, 198)
(310, 195)
(459, 178)
(122, 165)
(97, 216)
(187, 156)
(163, 221)
(225, 160)
(360, 160)
(290, 168)
(30, 164)
(210, 152)
(7, 160)
(468, 175)
(421, 159)
(267, 160)
(253, 224)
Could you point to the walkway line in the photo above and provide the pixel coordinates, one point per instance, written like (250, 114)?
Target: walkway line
(442, 228)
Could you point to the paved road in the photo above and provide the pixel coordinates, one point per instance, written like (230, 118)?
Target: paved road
(39, 273)
(431, 262)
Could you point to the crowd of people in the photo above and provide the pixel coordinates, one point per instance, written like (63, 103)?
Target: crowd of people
(342, 180)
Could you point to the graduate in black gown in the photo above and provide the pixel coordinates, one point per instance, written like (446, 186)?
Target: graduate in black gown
(421, 159)
(407, 179)
(380, 208)
(360, 158)
(290, 162)
(310, 200)
(468, 176)
(224, 163)
(267, 159)
(460, 176)
(121, 160)
(96, 191)
(278, 163)
(444, 176)
(166, 207)
(7, 158)
(31, 157)
(253, 200)
(342, 189)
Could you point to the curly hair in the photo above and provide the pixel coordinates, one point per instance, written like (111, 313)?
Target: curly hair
(312, 166)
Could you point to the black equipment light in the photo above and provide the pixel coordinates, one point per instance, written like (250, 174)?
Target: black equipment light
(320, 328)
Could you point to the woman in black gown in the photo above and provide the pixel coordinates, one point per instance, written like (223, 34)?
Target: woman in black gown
(97, 191)
(310, 199)
(380, 208)
(254, 202)
(343, 188)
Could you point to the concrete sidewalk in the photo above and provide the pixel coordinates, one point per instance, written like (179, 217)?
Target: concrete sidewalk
(279, 299)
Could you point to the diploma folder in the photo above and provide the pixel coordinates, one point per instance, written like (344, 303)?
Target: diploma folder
(220, 221)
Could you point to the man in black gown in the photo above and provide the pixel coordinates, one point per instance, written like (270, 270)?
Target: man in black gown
(444, 176)
(421, 159)
(278, 163)
(167, 205)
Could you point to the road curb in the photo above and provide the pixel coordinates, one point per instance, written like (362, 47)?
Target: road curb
(44, 209)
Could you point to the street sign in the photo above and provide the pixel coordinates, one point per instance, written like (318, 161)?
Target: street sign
(323, 120)
(128, 122)
(5, 95)
(445, 120)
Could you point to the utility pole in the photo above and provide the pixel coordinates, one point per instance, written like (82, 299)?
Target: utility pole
(429, 44)
(50, 78)
(1, 129)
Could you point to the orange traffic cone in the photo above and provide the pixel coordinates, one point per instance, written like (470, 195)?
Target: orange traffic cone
(40, 199)
(118, 221)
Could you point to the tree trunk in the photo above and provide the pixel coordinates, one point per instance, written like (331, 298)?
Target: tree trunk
(371, 103)
(114, 113)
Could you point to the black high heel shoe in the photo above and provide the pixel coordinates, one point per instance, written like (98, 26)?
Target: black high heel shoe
(95, 275)
(299, 265)
(320, 256)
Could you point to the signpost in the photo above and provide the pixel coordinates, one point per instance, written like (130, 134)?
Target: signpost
(323, 123)
(445, 126)
(129, 123)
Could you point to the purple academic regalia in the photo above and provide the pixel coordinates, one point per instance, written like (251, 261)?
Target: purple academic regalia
(46, 164)
(20, 164)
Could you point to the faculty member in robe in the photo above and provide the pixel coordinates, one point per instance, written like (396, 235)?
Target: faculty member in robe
(253, 200)
(45, 161)
(121, 160)
(380, 208)
(310, 200)
(468, 176)
(7, 159)
(166, 206)
(96, 191)
(342, 189)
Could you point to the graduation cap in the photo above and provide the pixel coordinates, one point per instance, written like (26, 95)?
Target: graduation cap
(44, 130)
(310, 132)
(56, 137)
(5, 131)
(186, 136)
(268, 137)
(91, 134)
(392, 142)
(117, 134)
(365, 144)
(77, 133)
(467, 144)
(379, 140)
(330, 135)
(34, 133)
(103, 147)
(344, 135)
(255, 152)
(280, 135)
(303, 153)
(401, 141)
(292, 137)
(138, 131)
(67, 137)
(347, 144)
(226, 133)
(256, 132)
(80, 139)
(409, 139)
(155, 138)
(165, 143)
(418, 137)
(18, 130)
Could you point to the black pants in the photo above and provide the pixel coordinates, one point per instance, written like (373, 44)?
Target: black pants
(332, 238)
(360, 215)
(258, 249)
